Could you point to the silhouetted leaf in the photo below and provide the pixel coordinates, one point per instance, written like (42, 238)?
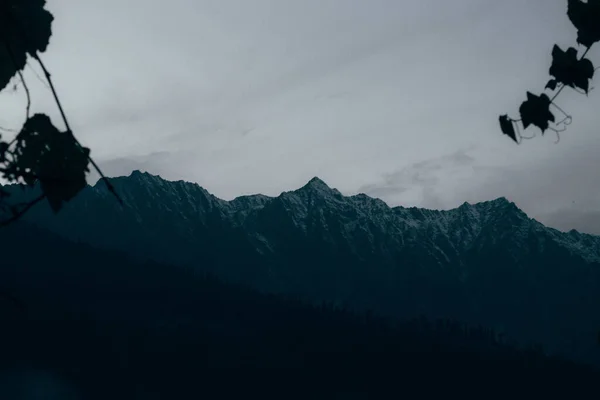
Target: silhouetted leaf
(569, 70)
(45, 154)
(551, 84)
(25, 28)
(508, 128)
(536, 111)
(585, 16)
(3, 149)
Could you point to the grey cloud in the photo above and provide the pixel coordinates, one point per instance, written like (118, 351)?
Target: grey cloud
(398, 99)
(566, 219)
(561, 189)
(568, 175)
(424, 177)
(158, 163)
(179, 165)
(540, 187)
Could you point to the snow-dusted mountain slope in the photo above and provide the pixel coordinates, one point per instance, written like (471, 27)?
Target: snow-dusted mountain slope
(316, 208)
(487, 262)
(366, 228)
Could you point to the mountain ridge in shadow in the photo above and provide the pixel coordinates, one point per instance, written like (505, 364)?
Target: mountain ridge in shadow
(486, 263)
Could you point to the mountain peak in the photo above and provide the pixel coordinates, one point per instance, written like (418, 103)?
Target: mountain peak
(316, 183)
(134, 176)
(501, 200)
(505, 203)
(318, 187)
(137, 174)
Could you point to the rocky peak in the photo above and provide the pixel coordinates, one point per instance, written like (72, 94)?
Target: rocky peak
(316, 186)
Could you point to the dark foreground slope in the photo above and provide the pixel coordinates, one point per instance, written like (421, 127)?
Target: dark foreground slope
(102, 326)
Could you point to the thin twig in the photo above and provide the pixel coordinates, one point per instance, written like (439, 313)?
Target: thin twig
(8, 129)
(567, 116)
(28, 108)
(64, 117)
(26, 208)
(39, 78)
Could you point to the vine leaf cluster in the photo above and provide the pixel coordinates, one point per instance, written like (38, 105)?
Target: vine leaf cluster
(567, 70)
(40, 154)
(16, 45)
(45, 154)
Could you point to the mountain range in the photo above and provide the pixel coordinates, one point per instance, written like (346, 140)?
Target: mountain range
(486, 263)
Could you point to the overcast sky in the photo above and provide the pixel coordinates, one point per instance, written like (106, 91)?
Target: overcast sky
(398, 99)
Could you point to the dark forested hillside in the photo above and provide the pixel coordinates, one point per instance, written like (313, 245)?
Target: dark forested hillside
(106, 326)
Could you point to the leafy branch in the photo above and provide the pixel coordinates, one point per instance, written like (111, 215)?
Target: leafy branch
(40, 153)
(18, 210)
(567, 69)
